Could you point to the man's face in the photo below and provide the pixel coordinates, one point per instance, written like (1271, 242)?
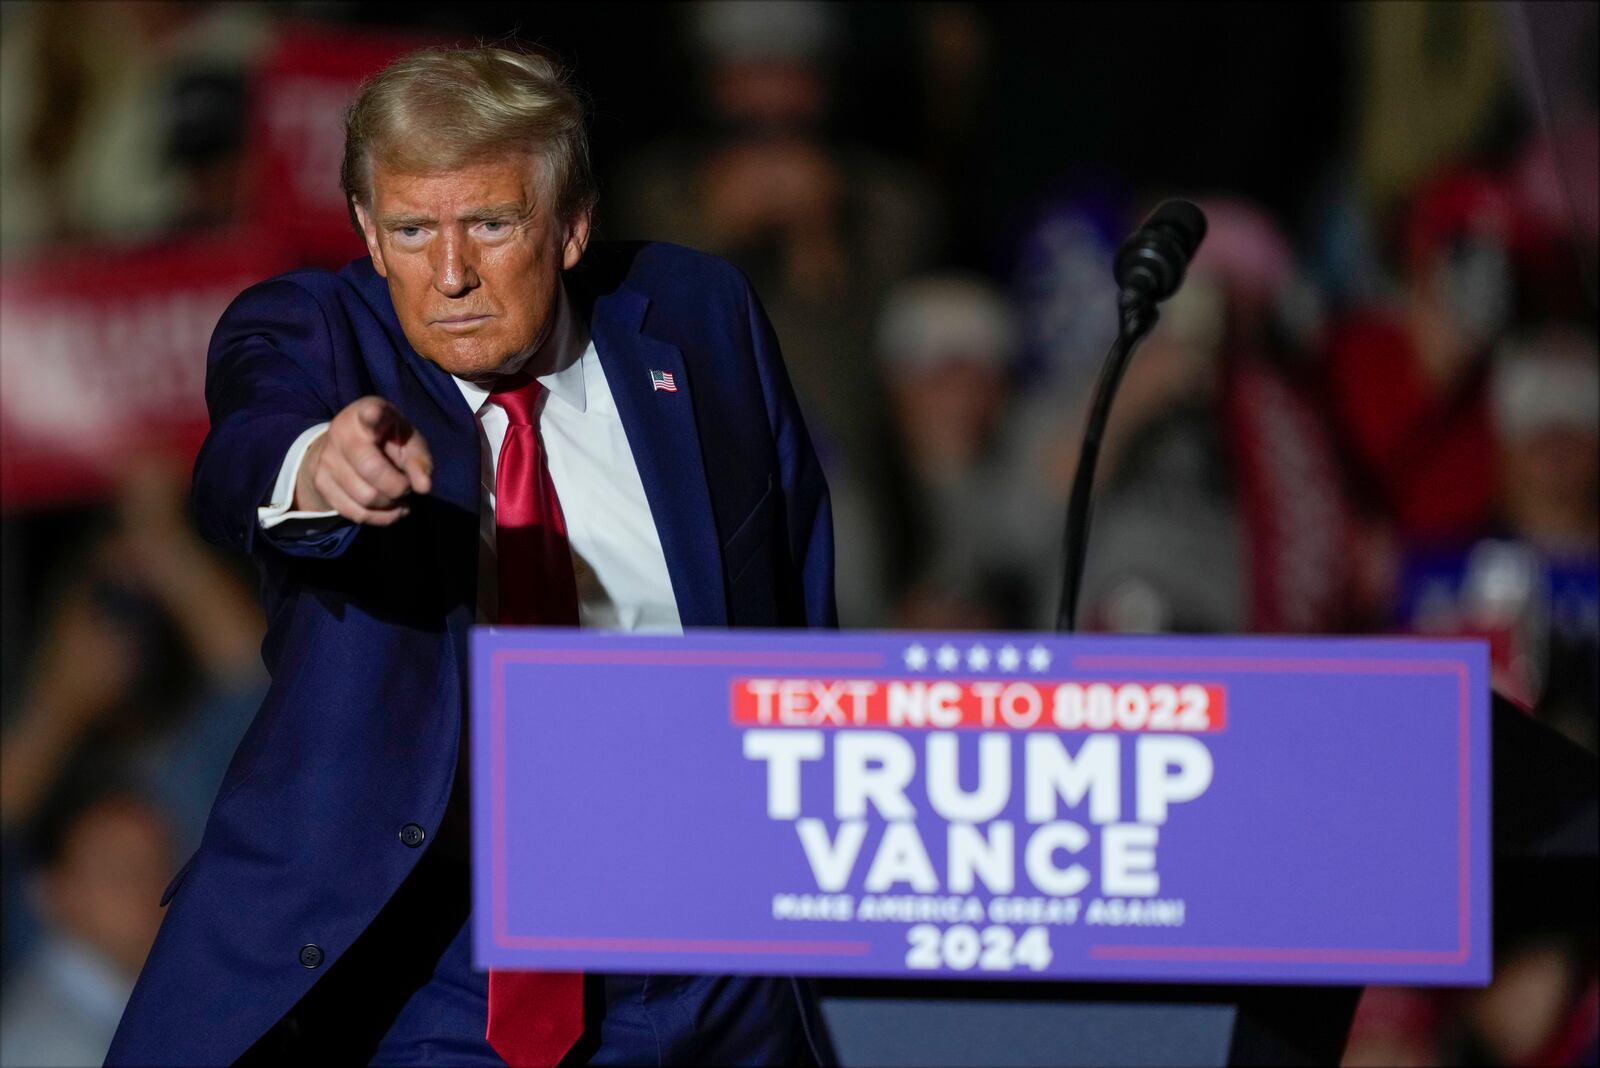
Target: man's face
(473, 258)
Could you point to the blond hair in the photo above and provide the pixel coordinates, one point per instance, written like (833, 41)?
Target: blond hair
(439, 108)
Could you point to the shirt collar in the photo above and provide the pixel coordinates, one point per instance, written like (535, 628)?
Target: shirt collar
(563, 355)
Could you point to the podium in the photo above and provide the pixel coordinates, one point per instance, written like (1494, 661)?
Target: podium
(1011, 849)
(1546, 825)
(1067, 1025)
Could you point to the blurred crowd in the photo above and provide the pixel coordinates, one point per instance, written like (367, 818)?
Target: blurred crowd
(1374, 407)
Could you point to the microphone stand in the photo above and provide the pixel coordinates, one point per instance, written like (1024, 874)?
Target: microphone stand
(1137, 315)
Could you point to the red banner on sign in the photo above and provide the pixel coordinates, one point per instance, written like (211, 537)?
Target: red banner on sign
(979, 704)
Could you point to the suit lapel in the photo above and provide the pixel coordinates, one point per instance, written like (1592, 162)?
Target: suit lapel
(665, 440)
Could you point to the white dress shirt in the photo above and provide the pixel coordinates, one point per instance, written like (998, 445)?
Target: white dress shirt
(617, 559)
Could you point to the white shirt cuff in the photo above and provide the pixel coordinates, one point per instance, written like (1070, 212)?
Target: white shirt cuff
(283, 490)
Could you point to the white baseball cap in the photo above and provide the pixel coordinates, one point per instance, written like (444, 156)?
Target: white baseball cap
(929, 320)
(1545, 380)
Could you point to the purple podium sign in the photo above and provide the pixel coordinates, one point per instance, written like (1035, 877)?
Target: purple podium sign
(967, 805)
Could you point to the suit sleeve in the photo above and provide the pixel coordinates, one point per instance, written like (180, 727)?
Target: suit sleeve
(269, 377)
(807, 511)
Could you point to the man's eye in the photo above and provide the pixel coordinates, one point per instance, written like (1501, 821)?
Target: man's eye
(494, 226)
(410, 231)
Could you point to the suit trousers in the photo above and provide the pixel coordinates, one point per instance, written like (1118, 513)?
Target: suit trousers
(406, 994)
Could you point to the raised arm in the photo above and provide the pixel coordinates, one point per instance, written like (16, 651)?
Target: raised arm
(270, 379)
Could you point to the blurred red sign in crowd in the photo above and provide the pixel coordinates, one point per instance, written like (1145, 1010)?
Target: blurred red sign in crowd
(105, 357)
(296, 134)
(104, 346)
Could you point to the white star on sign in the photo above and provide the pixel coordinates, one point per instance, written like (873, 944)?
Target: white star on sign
(1038, 658)
(1009, 658)
(948, 658)
(916, 657)
(978, 658)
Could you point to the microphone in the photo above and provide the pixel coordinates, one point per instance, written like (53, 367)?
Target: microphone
(1149, 268)
(1150, 264)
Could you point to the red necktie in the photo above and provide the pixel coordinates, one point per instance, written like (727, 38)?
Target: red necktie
(534, 1017)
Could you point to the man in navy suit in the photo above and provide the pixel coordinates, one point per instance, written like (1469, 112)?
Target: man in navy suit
(359, 421)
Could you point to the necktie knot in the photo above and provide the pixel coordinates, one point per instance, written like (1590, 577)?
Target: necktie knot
(518, 395)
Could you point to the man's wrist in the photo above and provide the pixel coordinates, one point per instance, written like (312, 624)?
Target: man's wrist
(284, 504)
(306, 498)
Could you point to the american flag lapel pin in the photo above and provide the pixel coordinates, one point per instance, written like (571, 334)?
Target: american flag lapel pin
(662, 382)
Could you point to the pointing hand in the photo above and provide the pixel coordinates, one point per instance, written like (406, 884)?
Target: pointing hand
(365, 465)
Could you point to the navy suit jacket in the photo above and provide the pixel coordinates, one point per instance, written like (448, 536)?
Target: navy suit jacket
(367, 626)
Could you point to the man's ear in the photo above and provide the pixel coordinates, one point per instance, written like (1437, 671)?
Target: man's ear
(369, 231)
(577, 240)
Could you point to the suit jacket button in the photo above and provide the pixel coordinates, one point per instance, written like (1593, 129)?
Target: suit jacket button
(412, 835)
(311, 955)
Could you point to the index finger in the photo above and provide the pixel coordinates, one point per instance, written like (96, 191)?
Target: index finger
(414, 458)
(385, 421)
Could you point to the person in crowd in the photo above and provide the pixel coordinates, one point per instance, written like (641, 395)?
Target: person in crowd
(101, 860)
(948, 343)
(147, 663)
(1542, 1008)
(174, 636)
(1395, 1027)
(821, 228)
(202, 599)
(44, 744)
(1407, 385)
(1555, 182)
(1543, 388)
(1531, 583)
